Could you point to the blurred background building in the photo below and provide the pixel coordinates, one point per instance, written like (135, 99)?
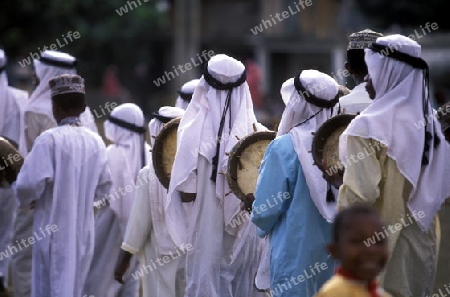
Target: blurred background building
(125, 46)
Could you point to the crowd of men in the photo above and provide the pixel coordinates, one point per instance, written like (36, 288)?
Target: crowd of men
(180, 242)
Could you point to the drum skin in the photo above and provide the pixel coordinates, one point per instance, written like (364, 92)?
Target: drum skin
(244, 161)
(325, 145)
(164, 150)
(11, 161)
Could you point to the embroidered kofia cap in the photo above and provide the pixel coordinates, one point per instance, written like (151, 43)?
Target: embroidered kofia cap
(66, 83)
(362, 39)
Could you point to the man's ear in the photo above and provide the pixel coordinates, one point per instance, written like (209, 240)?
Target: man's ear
(349, 68)
(333, 250)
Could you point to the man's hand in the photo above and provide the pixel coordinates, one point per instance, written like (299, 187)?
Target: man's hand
(248, 202)
(123, 263)
(336, 178)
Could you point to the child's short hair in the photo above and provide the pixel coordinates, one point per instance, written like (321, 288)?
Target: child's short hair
(354, 210)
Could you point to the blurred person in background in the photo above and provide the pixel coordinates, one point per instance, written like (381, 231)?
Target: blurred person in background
(358, 99)
(185, 94)
(127, 154)
(146, 234)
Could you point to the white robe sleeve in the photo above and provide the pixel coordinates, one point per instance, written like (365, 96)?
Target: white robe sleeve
(36, 172)
(104, 182)
(140, 221)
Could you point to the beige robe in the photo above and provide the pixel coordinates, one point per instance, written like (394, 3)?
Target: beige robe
(374, 178)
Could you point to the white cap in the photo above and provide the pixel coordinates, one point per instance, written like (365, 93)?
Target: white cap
(66, 83)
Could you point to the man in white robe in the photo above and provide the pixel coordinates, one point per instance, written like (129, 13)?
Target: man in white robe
(63, 174)
(38, 117)
(358, 99)
(127, 154)
(185, 94)
(226, 250)
(146, 234)
(11, 102)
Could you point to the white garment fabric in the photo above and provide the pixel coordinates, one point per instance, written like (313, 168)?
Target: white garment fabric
(100, 280)
(87, 120)
(155, 125)
(393, 118)
(10, 108)
(64, 173)
(125, 155)
(147, 236)
(262, 278)
(187, 88)
(22, 100)
(7, 218)
(225, 252)
(356, 101)
(21, 265)
(219, 264)
(299, 110)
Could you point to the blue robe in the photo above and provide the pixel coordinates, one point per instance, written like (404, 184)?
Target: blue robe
(283, 208)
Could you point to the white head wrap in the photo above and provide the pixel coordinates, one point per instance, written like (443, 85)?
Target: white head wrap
(40, 99)
(155, 125)
(132, 150)
(187, 88)
(50, 65)
(12, 100)
(394, 119)
(298, 111)
(198, 133)
(6, 105)
(3, 76)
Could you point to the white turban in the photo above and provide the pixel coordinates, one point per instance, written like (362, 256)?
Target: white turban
(186, 90)
(3, 76)
(130, 152)
(50, 65)
(302, 118)
(40, 99)
(155, 125)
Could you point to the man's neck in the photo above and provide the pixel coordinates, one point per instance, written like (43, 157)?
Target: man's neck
(70, 120)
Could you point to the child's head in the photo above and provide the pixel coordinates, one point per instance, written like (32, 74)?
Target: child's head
(353, 227)
(68, 96)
